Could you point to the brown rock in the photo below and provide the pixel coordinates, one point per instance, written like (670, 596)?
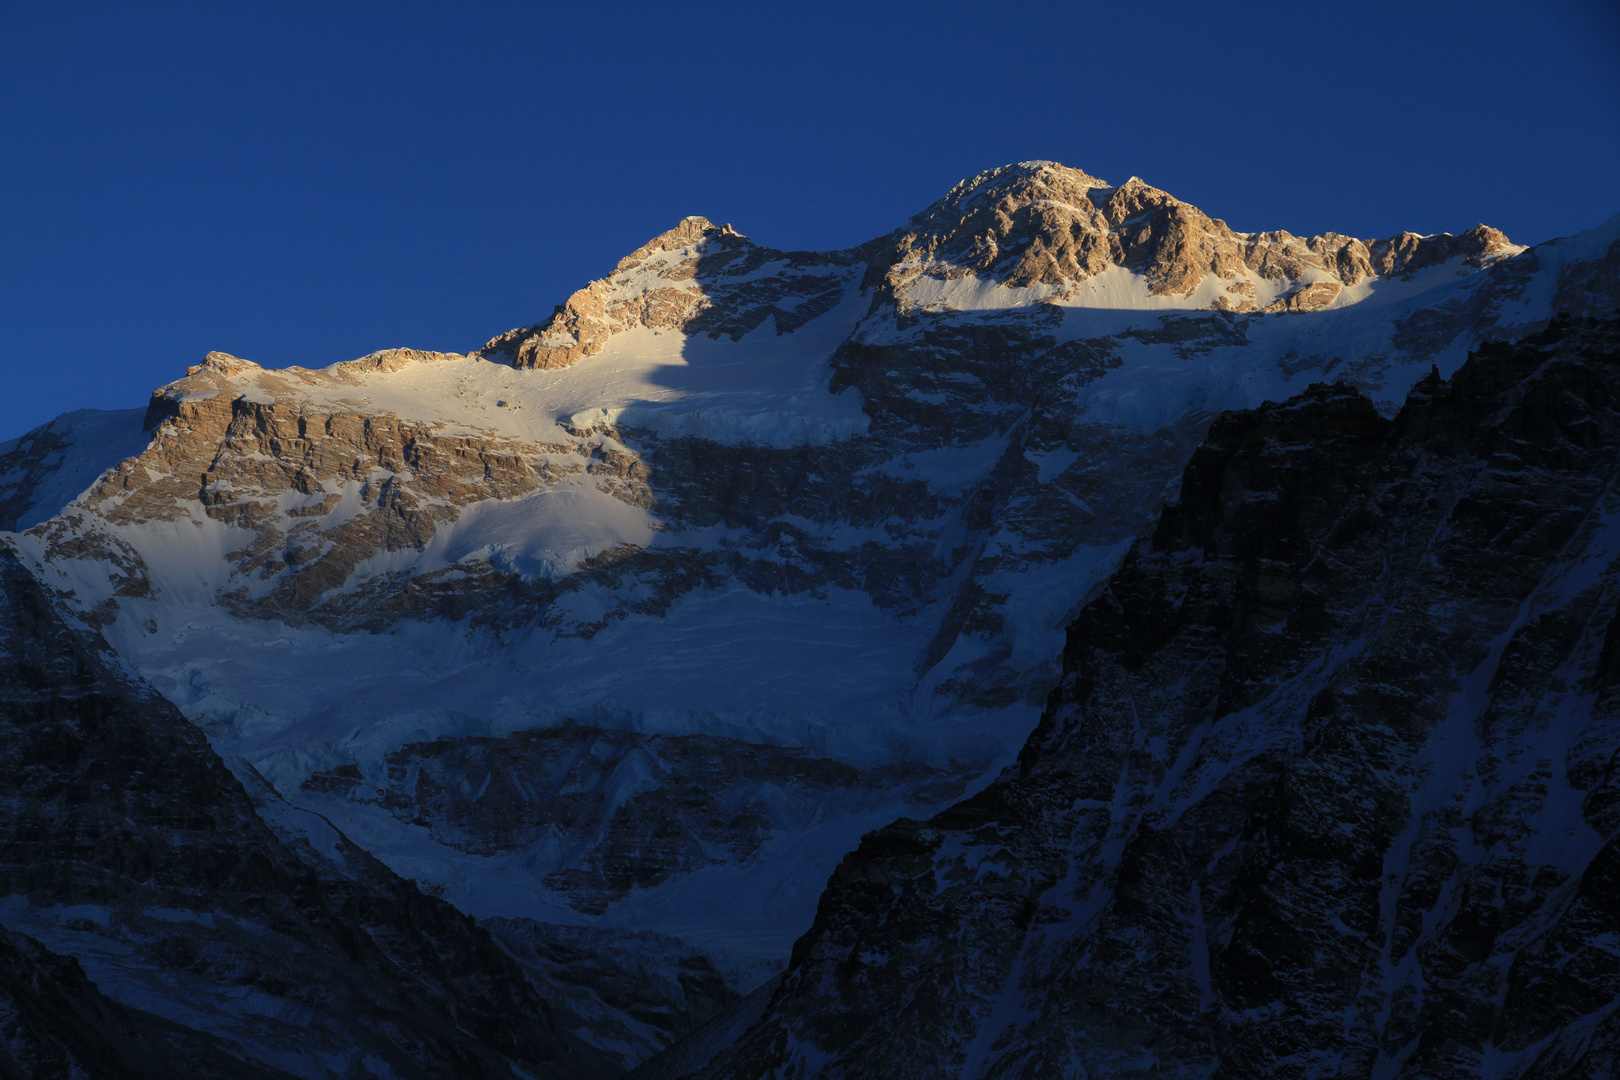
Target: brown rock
(1043, 224)
(1313, 297)
(702, 280)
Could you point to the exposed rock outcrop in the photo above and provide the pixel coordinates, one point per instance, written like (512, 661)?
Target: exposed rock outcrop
(697, 278)
(634, 992)
(45, 469)
(1039, 223)
(1327, 789)
(26, 466)
(55, 1023)
(561, 794)
(127, 845)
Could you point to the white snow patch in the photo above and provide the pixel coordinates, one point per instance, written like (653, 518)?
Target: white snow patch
(546, 534)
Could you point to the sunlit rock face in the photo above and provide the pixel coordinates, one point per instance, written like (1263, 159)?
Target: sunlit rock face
(1327, 788)
(695, 279)
(638, 618)
(1039, 223)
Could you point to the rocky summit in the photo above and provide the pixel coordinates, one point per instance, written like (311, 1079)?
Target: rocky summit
(524, 710)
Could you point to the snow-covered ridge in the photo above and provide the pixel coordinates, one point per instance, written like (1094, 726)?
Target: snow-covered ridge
(764, 387)
(1037, 224)
(47, 468)
(697, 278)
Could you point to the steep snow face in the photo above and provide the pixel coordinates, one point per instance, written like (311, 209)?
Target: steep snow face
(816, 516)
(1330, 785)
(46, 469)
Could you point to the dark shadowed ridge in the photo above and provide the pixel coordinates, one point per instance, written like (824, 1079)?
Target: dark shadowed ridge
(126, 840)
(1329, 786)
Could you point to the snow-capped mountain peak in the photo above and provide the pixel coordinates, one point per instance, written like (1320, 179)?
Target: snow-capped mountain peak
(641, 615)
(696, 278)
(1042, 224)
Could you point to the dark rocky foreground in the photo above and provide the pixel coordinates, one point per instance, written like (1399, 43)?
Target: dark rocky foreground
(172, 932)
(1329, 786)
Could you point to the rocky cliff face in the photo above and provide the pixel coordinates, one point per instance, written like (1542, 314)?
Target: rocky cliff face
(127, 846)
(695, 801)
(1038, 223)
(696, 279)
(56, 1023)
(630, 993)
(1326, 789)
(638, 618)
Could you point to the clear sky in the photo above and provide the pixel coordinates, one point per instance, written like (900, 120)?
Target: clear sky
(302, 183)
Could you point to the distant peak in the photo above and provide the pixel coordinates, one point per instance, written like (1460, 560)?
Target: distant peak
(223, 363)
(694, 229)
(1039, 222)
(1021, 183)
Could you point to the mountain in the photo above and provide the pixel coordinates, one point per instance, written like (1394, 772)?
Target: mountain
(618, 632)
(1328, 787)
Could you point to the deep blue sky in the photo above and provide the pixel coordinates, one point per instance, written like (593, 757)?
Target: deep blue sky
(304, 183)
